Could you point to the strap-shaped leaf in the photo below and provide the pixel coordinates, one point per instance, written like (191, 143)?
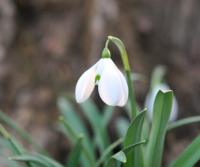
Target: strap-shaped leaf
(28, 159)
(183, 122)
(75, 123)
(161, 113)
(70, 115)
(96, 120)
(16, 148)
(74, 156)
(36, 159)
(190, 155)
(121, 156)
(49, 160)
(107, 115)
(108, 151)
(133, 135)
(23, 134)
(88, 158)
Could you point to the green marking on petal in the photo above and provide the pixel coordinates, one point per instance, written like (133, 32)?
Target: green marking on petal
(97, 78)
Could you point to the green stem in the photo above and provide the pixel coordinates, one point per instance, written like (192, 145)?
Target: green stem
(125, 61)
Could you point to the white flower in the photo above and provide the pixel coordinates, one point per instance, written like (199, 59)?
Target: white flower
(151, 98)
(112, 86)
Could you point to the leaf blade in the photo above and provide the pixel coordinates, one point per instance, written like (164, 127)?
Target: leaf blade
(161, 113)
(183, 122)
(74, 156)
(121, 156)
(133, 135)
(96, 120)
(23, 134)
(87, 154)
(189, 156)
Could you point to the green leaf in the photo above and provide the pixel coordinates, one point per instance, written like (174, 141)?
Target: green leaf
(49, 160)
(96, 120)
(36, 159)
(133, 146)
(183, 122)
(161, 113)
(190, 155)
(108, 151)
(7, 163)
(23, 134)
(87, 156)
(121, 156)
(74, 156)
(71, 116)
(107, 115)
(4, 147)
(133, 135)
(16, 148)
(73, 124)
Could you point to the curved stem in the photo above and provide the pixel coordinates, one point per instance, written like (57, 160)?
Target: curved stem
(125, 61)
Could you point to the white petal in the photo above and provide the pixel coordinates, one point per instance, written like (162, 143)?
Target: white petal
(124, 99)
(85, 84)
(151, 98)
(112, 86)
(101, 65)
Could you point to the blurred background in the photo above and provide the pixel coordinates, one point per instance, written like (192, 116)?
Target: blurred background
(45, 45)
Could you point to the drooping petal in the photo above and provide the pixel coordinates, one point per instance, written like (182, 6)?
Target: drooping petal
(112, 86)
(85, 84)
(125, 90)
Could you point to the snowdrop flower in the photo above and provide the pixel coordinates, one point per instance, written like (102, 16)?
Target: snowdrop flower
(151, 98)
(112, 85)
